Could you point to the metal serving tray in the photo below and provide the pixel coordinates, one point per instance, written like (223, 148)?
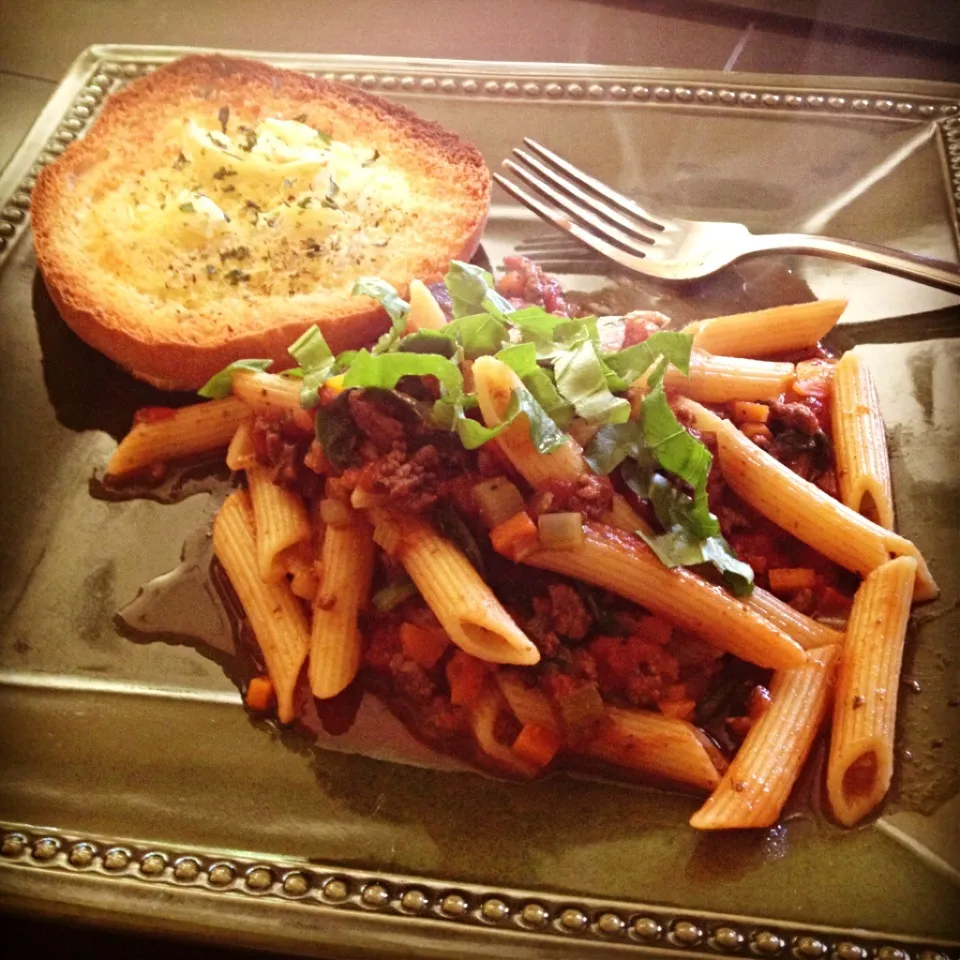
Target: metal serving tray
(135, 790)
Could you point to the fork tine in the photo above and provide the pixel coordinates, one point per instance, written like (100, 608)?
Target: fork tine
(589, 201)
(555, 217)
(596, 223)
(617, 199)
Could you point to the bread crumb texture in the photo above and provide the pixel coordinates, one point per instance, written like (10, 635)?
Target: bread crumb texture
(218, 207)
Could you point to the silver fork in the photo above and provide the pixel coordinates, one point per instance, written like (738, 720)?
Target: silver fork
(670, 248)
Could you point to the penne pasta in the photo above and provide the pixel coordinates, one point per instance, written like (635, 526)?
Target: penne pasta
(495, 382)
(664, 748)
(758, 781)
(483, 717)
(804, 510)
(466, 607)
(863, 467)
(273, 396)
(281, 522)
(528, 703)
(425, 312)
(174, 434)
(624, 565)
(273, 611)
(335, 641)
(865, 709)
(622, 516)
(765, 333)
(241, 453)
(809, 633)
(720, 379)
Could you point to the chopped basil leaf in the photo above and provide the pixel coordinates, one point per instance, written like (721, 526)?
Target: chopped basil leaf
(385, 369)
(614, 443)
(393, 594)
(677, 451)
(536, 322)
(337, 432)
(388, 298)
(220, 385)
(471, 290)
(581, 381)
(543, 431)
(678, 548)
(522, 359)
(633, 362)
(428, 341)
(479, 334)
(316, 361)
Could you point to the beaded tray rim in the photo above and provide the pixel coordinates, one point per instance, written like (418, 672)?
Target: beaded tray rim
(41, 868)
(473, 916)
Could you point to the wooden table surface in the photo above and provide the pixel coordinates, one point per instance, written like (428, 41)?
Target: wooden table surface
(40, 38)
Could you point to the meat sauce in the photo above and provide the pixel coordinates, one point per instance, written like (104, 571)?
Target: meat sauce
(589, 640)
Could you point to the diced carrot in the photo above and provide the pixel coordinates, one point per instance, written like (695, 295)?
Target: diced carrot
(756, 431)
(424, 647)
(682, 709)
(746, 412)
(466, 676)
(757, 562)
(787, 579)
(536, 744)
(260, 694)
(515, 538)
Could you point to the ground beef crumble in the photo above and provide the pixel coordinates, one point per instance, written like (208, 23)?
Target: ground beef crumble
(525, 284)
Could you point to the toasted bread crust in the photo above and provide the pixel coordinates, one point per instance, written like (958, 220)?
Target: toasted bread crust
(177, 347)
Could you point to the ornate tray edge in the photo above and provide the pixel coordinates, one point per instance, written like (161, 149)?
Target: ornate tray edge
(101, 69)
(592, 926)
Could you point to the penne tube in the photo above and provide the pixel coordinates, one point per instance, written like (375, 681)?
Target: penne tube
(664, 748)
(758, 781)
(721, 379)
(625, 566)
(241, 453)
(482, 717)
(174, 434)
(765, 333)
(863, 467)
(300, 563)
(466, 607)
(273, 611)
(425, 312)
(865, 709)
(809, 633)
(622, 516)
(335, 641)
(804, 510)
(495, 382)
(529, 704)
(273, 396)
(281, 522)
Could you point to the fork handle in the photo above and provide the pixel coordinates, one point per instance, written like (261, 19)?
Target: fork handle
(936, 273)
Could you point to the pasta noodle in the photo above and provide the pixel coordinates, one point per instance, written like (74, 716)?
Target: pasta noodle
(466, 607)
(483, 719)
(273, 611)
(241, 453)
(335, 641)
(863, 467)
(865, 710)
(811, 515)
(759, 780)
(765, 333)
(627, 567)
(173, 434)
(656, 746)
(718, 379)
(281, 520)
(495, 381)
(272, 395)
